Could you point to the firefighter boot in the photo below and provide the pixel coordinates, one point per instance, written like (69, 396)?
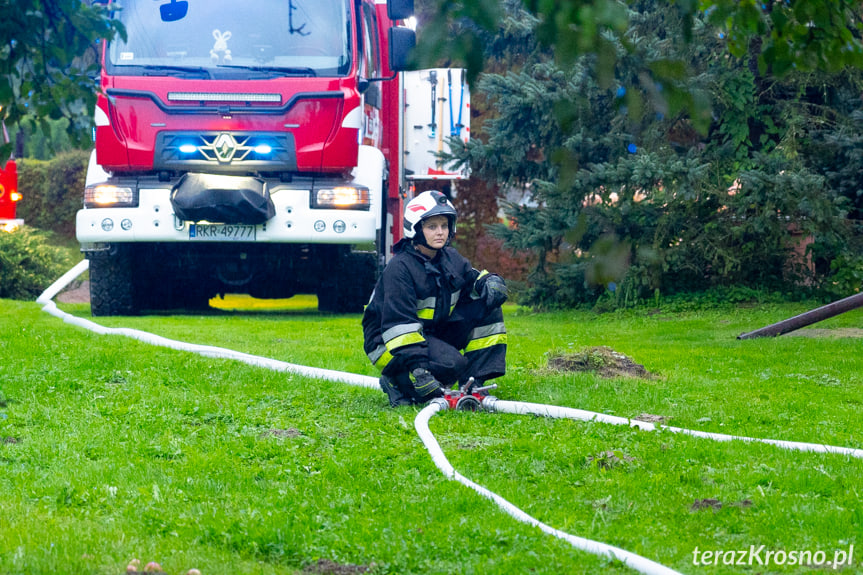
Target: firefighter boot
(396, 397)
(425, 385)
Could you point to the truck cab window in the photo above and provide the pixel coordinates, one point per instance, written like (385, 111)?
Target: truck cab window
(371, 50)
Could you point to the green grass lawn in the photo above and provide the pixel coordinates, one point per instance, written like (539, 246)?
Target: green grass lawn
(111, 449)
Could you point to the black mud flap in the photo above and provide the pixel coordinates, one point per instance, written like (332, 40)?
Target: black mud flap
(222, 199)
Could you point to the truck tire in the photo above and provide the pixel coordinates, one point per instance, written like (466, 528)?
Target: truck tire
(349, 285)
(111, 282)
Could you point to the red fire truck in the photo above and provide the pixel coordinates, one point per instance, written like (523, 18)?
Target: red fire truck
(262, 147)
(9, 196)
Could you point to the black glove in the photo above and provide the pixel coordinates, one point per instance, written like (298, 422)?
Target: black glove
(425, 384)
(494, 291)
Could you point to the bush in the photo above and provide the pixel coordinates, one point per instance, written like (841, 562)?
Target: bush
(29, 263)
(53, 191)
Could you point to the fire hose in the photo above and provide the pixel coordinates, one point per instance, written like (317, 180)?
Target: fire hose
(466, 398)
(636, 562)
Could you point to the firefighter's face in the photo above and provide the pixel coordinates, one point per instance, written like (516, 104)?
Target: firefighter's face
(436, 231)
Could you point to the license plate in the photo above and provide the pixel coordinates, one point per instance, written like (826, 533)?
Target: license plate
(222, 232)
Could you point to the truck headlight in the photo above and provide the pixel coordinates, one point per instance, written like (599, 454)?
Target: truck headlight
(342, 197)
(110, 196)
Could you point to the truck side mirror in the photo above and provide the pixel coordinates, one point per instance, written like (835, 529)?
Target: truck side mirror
(402, 42)
(400, 9)
(173, 11)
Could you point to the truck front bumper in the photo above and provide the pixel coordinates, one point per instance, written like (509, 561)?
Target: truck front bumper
(10, 225)
(153, 220)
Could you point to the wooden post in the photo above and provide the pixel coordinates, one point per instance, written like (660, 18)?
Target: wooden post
(807, 318)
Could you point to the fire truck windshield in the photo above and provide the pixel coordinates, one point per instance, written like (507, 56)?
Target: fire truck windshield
(217, 38)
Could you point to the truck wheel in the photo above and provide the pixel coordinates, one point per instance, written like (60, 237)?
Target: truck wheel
(111, 282)
(350, 284)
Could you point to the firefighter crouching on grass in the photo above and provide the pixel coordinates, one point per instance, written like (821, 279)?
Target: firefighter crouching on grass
(428, 305)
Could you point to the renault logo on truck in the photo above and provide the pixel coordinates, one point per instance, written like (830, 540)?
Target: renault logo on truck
(225, 147)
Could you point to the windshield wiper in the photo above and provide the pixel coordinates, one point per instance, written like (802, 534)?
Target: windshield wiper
(170, 70)
(281, 70)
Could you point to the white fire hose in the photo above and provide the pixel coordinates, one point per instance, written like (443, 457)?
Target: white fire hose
(490, 403)
(636, 562)
(523, 408)
(46, 300)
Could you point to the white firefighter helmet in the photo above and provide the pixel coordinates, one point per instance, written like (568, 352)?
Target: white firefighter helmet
(424, 206)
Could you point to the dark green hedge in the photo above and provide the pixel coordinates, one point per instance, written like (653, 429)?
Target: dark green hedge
(52, 191)
(29, 263)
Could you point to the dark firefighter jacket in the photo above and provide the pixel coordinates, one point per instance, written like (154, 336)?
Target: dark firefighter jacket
(414, 297)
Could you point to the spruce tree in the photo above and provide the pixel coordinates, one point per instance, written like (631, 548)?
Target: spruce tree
(632, 195)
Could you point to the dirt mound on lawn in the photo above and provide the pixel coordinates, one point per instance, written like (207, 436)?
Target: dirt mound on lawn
(602, 360)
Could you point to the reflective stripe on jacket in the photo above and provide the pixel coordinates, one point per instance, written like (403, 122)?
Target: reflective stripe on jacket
(413, 297)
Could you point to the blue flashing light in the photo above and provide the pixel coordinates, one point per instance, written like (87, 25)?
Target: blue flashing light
(263, 149)
(621, 91)
(631, 148)
(188, 148)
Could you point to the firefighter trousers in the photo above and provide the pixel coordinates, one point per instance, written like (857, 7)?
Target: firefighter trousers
(473, 329)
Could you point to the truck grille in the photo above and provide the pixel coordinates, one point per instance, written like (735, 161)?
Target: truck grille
(225, 151)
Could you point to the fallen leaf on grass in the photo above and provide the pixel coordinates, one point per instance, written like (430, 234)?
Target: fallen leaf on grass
(290, 432)
(609, 459)
(327, 567)
(716, 504)
(650, 418)
(700, 504)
